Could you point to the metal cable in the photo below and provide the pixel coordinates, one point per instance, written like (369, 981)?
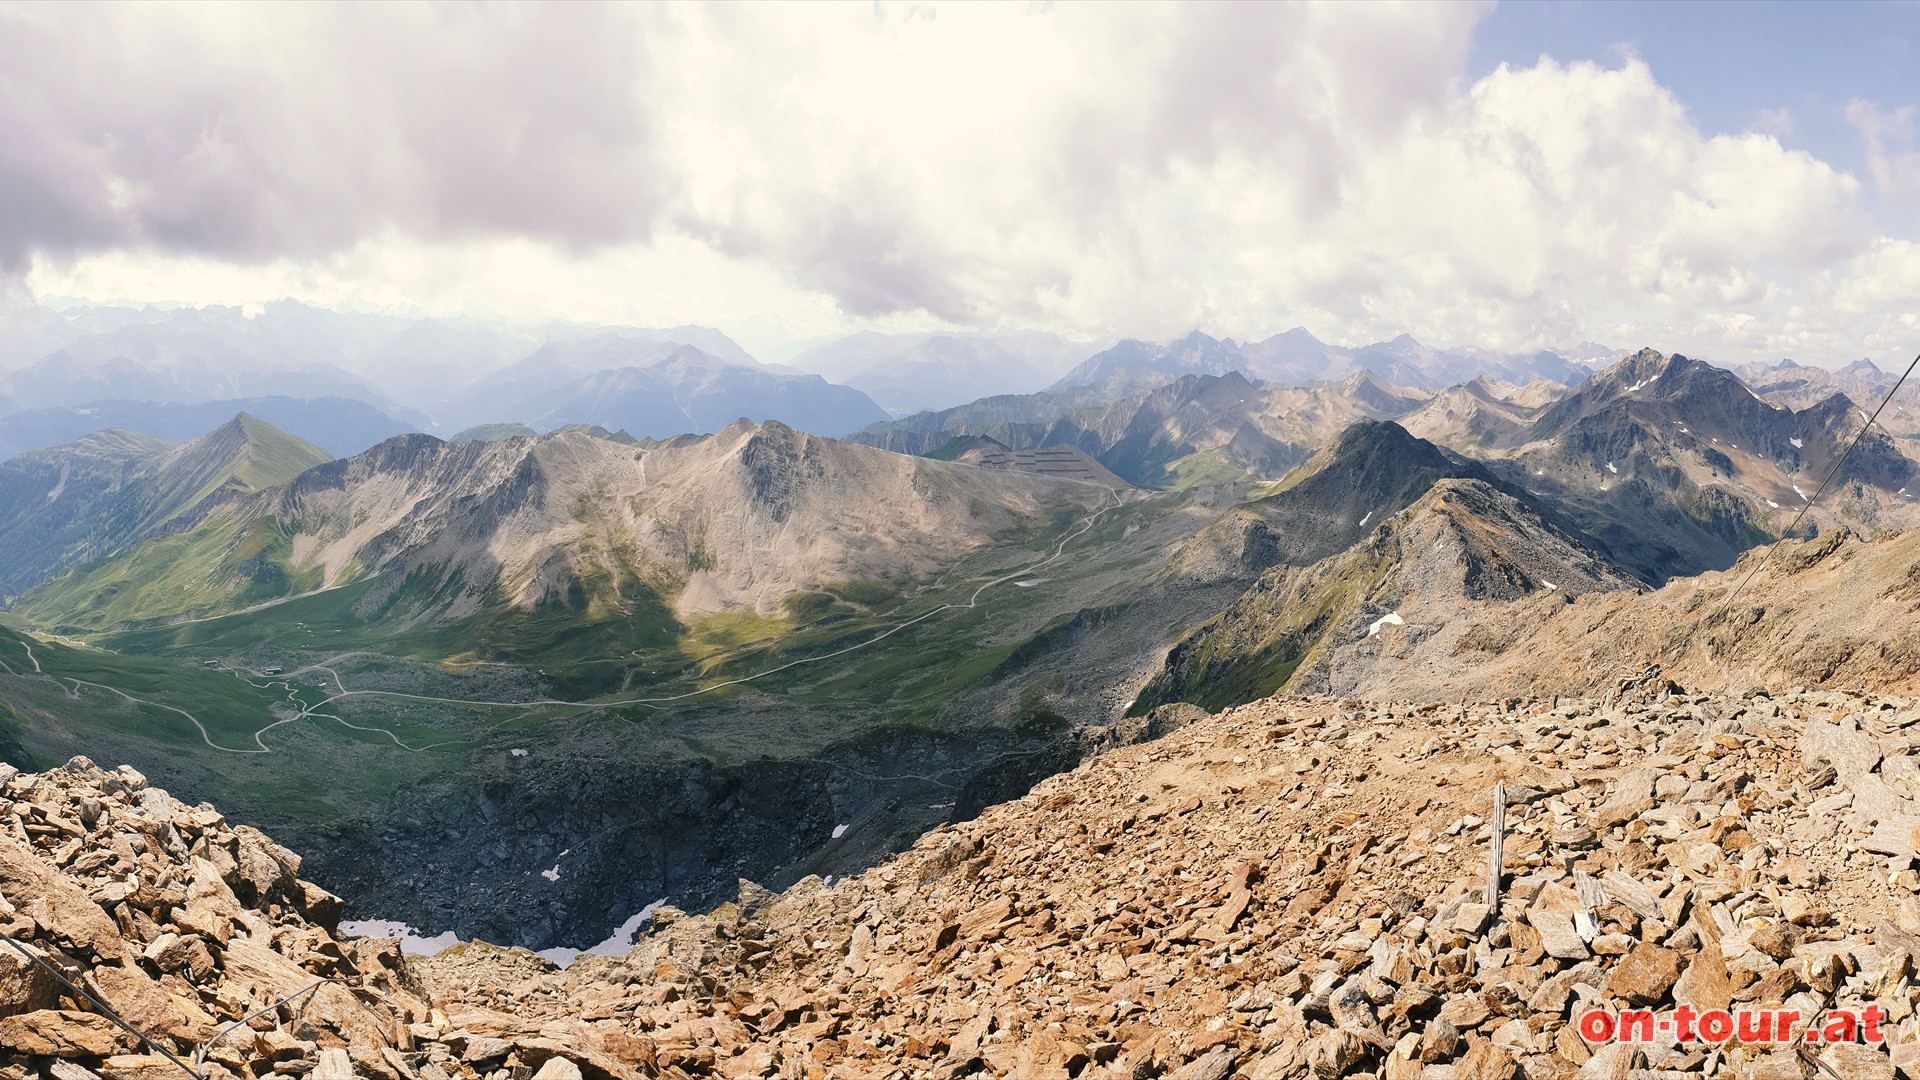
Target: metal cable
(1805, 506)
(200, 1055)
(105, 1009)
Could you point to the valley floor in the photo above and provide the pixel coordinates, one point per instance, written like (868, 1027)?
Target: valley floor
(1295, 887)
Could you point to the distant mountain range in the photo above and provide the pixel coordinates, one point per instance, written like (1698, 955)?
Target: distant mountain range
(1797, 386)
(1297, 357)
(907, 373)
(650, 387)
(1669, 464)
(418, 374)
(448, 374)
(179, 360)
(340, 426)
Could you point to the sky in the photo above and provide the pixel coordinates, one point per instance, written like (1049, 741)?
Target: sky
(1738, 182)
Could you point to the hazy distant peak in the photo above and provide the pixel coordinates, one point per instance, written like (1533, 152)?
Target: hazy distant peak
(110, 443)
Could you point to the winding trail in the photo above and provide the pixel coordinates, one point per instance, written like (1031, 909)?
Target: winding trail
(1085, 526)
(973, 601)
(202, 728)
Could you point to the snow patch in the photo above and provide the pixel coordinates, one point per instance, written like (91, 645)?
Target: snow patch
(1364, 520)
(553, 874)
(1611, 469)
(1551, 587)
(1639, 384)
(412, 942)
(1028, 584)
(518, 752)
(1391, 618)
(1773, 504)
(1796, 443)
(839, 831)
(617, 943)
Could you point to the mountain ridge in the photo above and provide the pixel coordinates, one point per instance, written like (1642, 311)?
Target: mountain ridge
(68, 505)
(690, 505)
(1296, 357)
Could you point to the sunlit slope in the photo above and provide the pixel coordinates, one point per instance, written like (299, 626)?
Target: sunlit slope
(112, 489)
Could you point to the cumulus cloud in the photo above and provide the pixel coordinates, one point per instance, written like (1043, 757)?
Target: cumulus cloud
(1131, 169)
(1891, 155)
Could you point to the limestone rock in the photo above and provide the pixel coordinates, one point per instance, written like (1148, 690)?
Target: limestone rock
(59, 1033)
(1645, 975)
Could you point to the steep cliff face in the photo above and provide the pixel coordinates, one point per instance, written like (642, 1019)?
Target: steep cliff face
(557, 848)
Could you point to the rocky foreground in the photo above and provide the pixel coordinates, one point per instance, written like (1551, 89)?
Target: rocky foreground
(1294, 888)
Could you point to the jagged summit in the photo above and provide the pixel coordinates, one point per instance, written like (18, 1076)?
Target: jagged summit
(1676, 466)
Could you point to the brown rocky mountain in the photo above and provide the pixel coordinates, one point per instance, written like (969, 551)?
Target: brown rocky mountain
(1831, 611)
(1194, 430)
(1672, 466)
(1464, 546)
(1797, 386)
(742, 518)
(1482, 415)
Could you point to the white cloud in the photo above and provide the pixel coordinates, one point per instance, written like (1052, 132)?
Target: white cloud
(1115, 168)
(1778, 123)
(1891, 156)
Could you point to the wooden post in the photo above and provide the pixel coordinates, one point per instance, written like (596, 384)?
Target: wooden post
(1497, 850)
